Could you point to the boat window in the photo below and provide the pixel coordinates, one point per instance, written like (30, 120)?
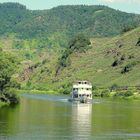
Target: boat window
(87, 95)
(75, 95)
(79, 82)
(75, 88)
(87, 88)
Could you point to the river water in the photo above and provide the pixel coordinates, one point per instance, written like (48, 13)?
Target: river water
(45, 117)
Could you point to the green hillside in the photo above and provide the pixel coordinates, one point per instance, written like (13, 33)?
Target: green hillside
(63, 21)
(109, 61)
(40, 39)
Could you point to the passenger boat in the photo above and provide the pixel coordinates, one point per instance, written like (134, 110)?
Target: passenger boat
(81, 92)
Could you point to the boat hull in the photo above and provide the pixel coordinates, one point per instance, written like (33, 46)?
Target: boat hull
(78, 100)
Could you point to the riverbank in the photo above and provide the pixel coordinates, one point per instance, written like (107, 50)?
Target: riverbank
(121, 94)
(3, 104)
(38, 92)
(106, 93)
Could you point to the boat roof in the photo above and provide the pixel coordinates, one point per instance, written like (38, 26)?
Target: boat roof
(82, 82)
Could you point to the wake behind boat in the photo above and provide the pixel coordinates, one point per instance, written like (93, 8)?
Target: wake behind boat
(81, 92)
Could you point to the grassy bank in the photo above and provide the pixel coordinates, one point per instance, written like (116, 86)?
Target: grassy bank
(38, 92)
(131, 93)
(3, 104)
(125, 93)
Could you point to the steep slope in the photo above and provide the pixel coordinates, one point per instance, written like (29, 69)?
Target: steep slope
(95, 65)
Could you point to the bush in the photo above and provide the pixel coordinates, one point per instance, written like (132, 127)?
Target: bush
(10, 96)
(105, 93)
(114, 87)
(7, 69)
(79, 43)
(131, 56)
(128, 67)
(128, 28)
(116, 63)
(97, 93)
(65, 89)
(123, 57)
(138, 42)
(124, 94)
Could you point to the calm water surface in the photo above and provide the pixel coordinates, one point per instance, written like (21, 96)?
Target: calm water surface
(44, 117)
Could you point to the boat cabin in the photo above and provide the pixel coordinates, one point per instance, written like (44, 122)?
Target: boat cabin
(82, 90)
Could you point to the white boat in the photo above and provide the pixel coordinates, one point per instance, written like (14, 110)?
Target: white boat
(81, 92)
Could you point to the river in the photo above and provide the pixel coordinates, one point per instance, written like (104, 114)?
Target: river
(46, 117)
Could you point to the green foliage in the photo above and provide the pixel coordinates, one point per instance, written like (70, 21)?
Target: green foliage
(66, 89)
(105, 93)
(62, 21)
(10, 96)
(119, 61)
(7, 67)
(123, 57)
(101, 92)
(128, 67)
(128, 28)
(114, 87)
(80, 43)
(28, 84)
(123, 94)
(18, 45)
(138, 42)
(116, 63)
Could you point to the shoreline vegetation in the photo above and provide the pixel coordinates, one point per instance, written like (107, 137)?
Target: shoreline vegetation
(3, 104)
(112, 92)
(8, 84)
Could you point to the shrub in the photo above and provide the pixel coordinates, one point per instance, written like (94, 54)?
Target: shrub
(128, 28)
(105, 93)
(116, 63)
(124, 94)
(123, 57)
(65, 89)
(138, 42)
(114, 87)
(79, 43)
(131, 56)
(128, 67)
(10, 96)
(97, 93)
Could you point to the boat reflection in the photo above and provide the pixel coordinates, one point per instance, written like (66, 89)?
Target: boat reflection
(81, 121)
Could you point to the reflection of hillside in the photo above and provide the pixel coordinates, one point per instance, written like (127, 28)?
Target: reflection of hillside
(81, 120)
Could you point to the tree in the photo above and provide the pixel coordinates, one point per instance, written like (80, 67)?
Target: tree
(80, 43)
(138, 42)
(7, 69)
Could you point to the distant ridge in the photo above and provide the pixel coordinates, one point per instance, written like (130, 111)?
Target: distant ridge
(99, 21)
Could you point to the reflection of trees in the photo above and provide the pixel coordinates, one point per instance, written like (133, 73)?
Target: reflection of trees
(8, 121)
(81, 120)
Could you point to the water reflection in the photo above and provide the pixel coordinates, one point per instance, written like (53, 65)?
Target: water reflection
(81, 121)
(53, 119)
